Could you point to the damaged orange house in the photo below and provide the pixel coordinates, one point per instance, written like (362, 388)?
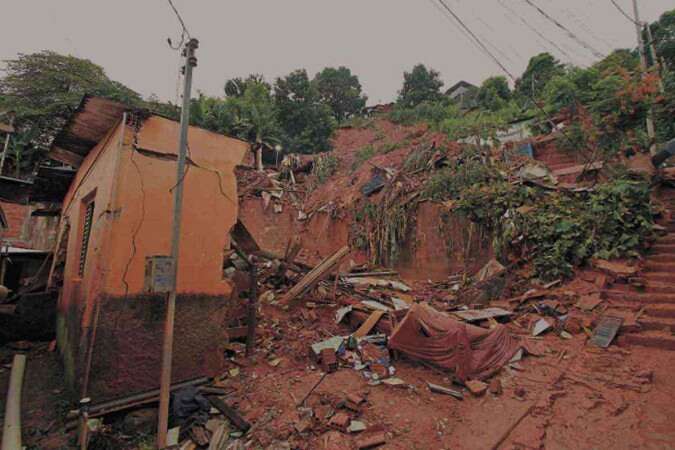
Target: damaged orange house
(116, 214)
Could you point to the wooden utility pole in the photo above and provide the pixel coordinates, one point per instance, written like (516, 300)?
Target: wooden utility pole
(655, 58)
(6, 146)
(651, 131)
(167, 348)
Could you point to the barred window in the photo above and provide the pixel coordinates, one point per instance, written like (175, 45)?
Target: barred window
(86, 232)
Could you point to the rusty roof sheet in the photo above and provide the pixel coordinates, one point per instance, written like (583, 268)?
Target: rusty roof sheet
(94, 117)
(6, 128)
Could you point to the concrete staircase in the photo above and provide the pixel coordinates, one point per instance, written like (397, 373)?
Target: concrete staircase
(655, 303)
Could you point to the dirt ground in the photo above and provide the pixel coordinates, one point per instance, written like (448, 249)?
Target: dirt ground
(575, 396)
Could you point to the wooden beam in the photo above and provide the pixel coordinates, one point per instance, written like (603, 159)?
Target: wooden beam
(315, 275)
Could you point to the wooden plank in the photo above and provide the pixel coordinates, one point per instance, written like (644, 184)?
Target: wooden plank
(229, 412)
(66, 157)
(369, 324)
(315, 275)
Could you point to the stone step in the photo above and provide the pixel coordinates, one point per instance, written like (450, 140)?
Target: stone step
(661, 277)
(638, 297)
(656, 266)
(662, 257)
(663, 248)
(668, 239)
(653, 339)
(651, 323)
(649, 311)
(652, 287)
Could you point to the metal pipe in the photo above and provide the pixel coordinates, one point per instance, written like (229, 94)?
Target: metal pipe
(11, 430)
(167, 348)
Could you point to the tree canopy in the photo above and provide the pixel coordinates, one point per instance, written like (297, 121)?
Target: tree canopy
(307, 122)
(341, 90)
(540, 69)
(43, 89)
(494, 93)
(420, 85)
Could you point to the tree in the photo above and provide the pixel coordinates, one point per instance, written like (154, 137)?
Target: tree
(619, 59)
(420, 85)
(307, 122)
(250, 116)
(494, 93)
(44, 88)
(236, 87)
(663, 31)
(340, 90)
(540, 69)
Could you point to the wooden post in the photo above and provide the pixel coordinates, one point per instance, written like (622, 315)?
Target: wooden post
(251, 308)
(11, 430)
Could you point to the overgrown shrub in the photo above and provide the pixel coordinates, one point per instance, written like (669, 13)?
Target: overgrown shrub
(559, 231)
(325, 166)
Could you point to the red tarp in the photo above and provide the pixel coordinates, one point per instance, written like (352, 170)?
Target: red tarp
(472, 352)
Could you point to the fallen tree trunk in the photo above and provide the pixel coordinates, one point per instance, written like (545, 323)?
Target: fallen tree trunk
(11, 433)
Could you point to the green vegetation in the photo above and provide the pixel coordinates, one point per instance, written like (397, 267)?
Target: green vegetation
(362, 155)
(341, 91)
(420, 85)
(557, 230)
(450, 182)
(324, 167)
(43, 89)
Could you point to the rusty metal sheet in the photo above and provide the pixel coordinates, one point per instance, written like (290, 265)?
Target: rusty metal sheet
(607, 328)
(475, 315)
(93, 119)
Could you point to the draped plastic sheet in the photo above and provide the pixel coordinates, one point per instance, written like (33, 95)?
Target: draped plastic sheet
(472, 352)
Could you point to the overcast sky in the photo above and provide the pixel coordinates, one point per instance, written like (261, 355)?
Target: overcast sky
(377, 39)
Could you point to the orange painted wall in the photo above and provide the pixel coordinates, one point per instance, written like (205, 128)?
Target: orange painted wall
(104, 316)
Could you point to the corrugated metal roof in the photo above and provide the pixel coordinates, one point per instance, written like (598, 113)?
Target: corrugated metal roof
(6, 128)
(92, 120)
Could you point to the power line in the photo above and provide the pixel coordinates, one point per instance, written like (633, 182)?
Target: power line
(534, 30)
(501, 66)
(564, 28)
(180, 19)
(623, 13)
(580, 21)
(477, 40)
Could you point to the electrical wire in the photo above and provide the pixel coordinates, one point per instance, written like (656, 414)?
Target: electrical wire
(477, 40)
(180, 19)
(570, 34)
(624, 13)
(504, 69)
(534, 30)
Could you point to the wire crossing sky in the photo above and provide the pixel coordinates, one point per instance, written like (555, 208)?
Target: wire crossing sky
(377, 39)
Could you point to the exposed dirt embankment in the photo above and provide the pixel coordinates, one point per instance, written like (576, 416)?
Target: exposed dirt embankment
(325, 209)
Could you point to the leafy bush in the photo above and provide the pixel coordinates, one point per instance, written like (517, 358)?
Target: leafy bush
(560, 231)
(450, 182)
(325, 166)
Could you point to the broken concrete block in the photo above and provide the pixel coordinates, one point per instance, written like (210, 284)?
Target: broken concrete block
(329, 362)
(356, 426)
(371, 440)
(496, 386)
(340, 421)
(476, 387)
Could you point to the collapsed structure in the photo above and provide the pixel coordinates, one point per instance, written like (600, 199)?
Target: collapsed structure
(115, 218)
